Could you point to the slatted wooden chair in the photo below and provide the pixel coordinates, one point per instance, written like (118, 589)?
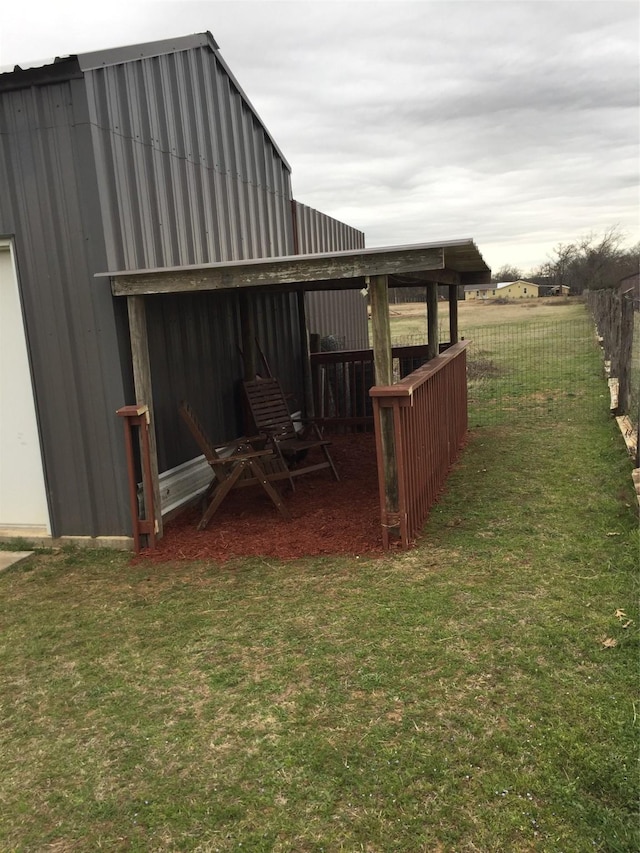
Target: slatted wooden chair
(237, 464)
(268, 409)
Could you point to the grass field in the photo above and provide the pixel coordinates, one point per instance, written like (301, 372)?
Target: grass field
(477, 693)
(524, 359)
(408, 320)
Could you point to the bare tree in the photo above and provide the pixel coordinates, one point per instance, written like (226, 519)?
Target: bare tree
(592, 262)
(507, 273)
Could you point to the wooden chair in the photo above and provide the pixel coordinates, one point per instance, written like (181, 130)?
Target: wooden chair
(267, 407)
(237, 464)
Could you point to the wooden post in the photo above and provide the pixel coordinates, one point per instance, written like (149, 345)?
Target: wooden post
(383, 368)
(248, 332)
(381, 329)
(453, 314)
(625, 362)
(138, 416)
(307, 381)
(433, 343)
(142, 384)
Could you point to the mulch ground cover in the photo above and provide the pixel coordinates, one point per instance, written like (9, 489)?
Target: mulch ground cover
(328, 517)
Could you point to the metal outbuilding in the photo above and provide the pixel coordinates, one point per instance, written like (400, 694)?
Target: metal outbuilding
(141, 157)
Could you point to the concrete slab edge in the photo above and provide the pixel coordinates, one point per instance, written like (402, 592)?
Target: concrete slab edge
(116, 543)
(12, 558)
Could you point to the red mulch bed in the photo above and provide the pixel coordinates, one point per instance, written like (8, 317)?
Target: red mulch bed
(328, 517)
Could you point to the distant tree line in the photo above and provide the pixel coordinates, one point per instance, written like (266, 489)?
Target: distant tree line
(591, 263)
(508, 273)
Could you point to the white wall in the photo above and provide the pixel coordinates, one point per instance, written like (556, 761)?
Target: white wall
(23, 501)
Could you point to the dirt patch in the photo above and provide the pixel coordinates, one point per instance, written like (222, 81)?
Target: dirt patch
(482, 368)
(328, 517)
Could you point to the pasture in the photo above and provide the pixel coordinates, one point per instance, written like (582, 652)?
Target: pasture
(477, 693)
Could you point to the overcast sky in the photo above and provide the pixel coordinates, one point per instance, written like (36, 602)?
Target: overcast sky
(514, 123)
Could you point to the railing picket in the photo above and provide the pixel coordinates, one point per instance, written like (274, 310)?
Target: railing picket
(430, 425)
(429, 417)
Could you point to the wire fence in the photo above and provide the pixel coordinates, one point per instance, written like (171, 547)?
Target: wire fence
(617, 319)
(530, 370)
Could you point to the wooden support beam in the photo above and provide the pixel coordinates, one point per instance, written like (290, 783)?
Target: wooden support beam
(453, 315)
(383, 369)
(433, 343)
(142, 384)
(476, 277)
(421, 277)
(268, 272)
(381, 329)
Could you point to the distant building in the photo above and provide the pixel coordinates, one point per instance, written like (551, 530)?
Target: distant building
(503, 290)
(553, 289)
(480, 291)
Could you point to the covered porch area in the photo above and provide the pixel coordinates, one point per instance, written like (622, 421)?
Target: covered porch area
(418, 396)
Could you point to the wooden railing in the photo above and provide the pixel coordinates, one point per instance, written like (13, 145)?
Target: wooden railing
(420, 425)
(342, 379)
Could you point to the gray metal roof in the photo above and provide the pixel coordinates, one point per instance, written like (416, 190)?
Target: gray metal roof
(469, 287)
(70, 67)
(344, 269)
(132, 52)
(116, 55)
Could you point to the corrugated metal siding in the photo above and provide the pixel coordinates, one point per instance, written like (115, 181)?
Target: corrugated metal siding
(341, 313)
(317, 232)
(279, 338)
(194, 346)
(49, 203)
(154, 162)
(187, 173)
(194, 356)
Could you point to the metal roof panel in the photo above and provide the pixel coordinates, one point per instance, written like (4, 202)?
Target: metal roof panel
(130, 53)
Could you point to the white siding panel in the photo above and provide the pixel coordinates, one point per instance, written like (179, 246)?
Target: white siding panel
(23, 498)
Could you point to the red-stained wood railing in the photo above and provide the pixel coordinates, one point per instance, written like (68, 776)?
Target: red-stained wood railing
(342, 379)
(429, 409)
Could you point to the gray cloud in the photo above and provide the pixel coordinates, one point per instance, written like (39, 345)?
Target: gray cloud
(515, 123)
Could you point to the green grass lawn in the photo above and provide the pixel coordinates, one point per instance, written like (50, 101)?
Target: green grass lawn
(524, 356)
(477, 693)
(534, 368)
(409, 320)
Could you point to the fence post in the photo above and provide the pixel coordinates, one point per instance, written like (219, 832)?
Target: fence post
(626, 353)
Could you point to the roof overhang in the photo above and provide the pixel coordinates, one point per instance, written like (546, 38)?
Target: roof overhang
(132, 52)
(453, 262)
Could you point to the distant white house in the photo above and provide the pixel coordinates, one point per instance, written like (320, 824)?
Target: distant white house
(504, 290)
